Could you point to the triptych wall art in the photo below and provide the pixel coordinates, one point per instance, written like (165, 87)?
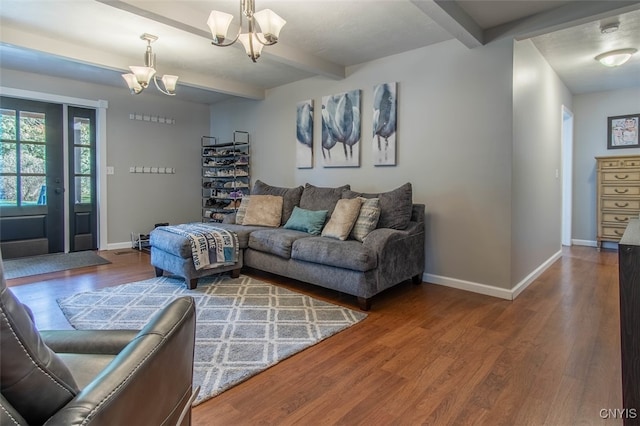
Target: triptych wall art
(341, 129)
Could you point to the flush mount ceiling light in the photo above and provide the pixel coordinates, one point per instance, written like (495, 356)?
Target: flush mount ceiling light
(615, 58)
(140, 77)
(269, 22)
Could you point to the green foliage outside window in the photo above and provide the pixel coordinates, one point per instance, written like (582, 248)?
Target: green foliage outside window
(23, 151)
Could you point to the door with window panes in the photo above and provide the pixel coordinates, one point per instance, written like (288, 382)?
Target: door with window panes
(32, 179)
(83, 221)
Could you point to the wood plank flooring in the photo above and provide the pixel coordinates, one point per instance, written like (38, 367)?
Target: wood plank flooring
(426, 354)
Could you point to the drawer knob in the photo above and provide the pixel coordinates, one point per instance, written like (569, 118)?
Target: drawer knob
(623, 219)
(622, 191)
(618, 232)
(622, 205)
(622, 177)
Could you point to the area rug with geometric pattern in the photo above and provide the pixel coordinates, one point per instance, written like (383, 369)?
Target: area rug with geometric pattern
(243, 325)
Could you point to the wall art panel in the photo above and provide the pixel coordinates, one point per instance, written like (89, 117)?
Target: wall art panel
(341, 129)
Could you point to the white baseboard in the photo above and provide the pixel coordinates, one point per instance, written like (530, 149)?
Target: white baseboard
(489, 290)
(519, 288)
(119, 246)
(473, 287)
(587, 243)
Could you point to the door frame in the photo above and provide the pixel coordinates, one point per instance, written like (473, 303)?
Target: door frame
(566, 140)
(101, 107)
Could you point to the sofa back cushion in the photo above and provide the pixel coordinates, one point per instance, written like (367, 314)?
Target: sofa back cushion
(395, 206)
(321, 198)
(34, 380)
(290, 197)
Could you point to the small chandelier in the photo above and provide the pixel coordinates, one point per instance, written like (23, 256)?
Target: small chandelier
(140, 77)
(270, 24)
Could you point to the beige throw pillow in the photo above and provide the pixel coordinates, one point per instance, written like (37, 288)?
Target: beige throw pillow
(263, 210)
(343, 218)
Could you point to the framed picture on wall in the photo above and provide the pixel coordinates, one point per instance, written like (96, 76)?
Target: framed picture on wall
(622, 131)
(304, 134)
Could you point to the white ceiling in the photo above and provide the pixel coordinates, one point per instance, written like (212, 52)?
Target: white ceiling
(97, 40)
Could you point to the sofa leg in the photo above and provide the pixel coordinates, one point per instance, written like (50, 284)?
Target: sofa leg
(417, 279)
(193, 283)
(159, 271)
(235, 273)
(364, 303)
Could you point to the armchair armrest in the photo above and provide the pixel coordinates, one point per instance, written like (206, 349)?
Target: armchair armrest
(105, 342)
(149, 382)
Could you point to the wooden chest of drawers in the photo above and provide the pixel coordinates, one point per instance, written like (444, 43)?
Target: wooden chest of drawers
(618, 195)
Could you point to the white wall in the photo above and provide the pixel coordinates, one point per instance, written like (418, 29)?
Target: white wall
(591, 112)
(135, 202)
(454, 146)
(538, 95)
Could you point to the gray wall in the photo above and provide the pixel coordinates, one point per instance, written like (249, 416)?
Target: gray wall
(454, 137)
(479, 148)
(538, 96)
(590, 140)
(135, 202)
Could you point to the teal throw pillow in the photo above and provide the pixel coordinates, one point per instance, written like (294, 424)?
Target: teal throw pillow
(310, 221)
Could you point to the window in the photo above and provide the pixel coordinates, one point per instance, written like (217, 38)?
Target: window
(23, 158)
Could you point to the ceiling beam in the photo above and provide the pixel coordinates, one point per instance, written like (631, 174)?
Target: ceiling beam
(279, 52)
(29, 40)
(450, 16)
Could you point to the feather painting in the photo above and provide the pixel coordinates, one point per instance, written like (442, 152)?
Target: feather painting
(384, 124)
(304, 134)
(341, 129)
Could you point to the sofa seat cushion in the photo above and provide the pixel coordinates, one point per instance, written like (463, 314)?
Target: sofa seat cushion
(179, 245)
(276, 241)
(348, 254)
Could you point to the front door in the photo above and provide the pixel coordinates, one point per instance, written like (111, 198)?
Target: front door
(32, 184)
(31, 178)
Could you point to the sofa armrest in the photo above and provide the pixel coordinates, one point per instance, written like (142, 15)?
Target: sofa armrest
(400, 254)
(149, 382)
(104, 342)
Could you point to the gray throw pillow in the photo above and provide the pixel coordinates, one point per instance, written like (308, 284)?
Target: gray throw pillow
(290, 197)
(319, 198)
(34, 379)
(396, 206)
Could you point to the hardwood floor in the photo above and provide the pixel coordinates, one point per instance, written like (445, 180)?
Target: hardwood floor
(426, 354)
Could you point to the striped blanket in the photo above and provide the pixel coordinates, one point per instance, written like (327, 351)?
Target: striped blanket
(210, 246)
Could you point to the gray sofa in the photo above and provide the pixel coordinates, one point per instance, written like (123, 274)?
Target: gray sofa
(390, 254)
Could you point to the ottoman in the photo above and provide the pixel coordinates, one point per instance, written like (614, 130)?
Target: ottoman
(172, 253)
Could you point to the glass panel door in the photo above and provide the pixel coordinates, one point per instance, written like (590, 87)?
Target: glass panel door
(31, 184)
(82, 179)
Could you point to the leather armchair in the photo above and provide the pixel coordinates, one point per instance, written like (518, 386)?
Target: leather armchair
(96, 377)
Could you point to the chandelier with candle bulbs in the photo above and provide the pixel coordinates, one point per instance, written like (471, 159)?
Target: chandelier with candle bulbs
(253, 41)
(140, 77)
